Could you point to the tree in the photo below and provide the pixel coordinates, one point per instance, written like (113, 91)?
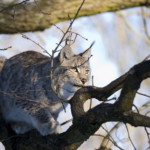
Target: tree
(46, 13)
(85, 124)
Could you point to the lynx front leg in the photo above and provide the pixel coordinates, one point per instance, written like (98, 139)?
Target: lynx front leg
(44, 122)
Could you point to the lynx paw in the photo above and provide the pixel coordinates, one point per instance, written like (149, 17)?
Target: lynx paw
(52, 127)
(58, 129)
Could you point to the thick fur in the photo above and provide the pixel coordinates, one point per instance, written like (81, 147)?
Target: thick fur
(26, 99)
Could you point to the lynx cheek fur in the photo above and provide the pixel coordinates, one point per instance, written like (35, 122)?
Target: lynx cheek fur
(26, 99)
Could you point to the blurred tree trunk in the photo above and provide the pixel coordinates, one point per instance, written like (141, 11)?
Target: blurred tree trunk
(39, 15)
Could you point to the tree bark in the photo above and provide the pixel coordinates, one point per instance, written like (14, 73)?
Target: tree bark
(86, 124)
(39, 15)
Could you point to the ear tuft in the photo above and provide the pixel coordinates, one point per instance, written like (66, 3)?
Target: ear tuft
(65, 53)
(87, 53)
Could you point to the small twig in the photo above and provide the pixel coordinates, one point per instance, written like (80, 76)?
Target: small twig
(144, 22)
(77, 34)
(109, 138)
(148, 135)
(4, 49)
(14, 12)
(143, 94)
(130, 137)
(91, 98)
(71, 23)
(132, 29)
(22, 98)
(66, 122)
(113, 98)
(41, 11)
(108, 134)
(58, 28)
(75, 38)
(26, 37)
(14, 5)
(98, 135)
(113, 142)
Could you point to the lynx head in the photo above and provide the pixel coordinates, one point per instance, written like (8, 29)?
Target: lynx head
(72, 73)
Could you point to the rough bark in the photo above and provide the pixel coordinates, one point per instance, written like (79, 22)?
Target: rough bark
(86, 124)
(31, 16)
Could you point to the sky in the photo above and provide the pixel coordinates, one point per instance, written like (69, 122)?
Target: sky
(2, 146)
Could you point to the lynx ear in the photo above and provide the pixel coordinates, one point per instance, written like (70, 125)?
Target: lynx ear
(65, 53)
(87, 53)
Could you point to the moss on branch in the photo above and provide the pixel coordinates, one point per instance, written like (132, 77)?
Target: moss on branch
(41, 15)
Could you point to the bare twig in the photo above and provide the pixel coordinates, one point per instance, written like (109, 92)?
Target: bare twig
(148, 135)
(22, 98)
(113, 142)
(71, 23)
(58, 28)
(66, 122)
(143, 94)
(14, 5)
(26, 37)
(145, 23)
(14, 12)
(132, 29)
(109, 133)
(45, 13)
(4, 49)
(130, 137)
(108, 138)
(91, 98)
(77, 34)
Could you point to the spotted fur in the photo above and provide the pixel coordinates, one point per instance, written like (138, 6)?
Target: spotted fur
(26, 99)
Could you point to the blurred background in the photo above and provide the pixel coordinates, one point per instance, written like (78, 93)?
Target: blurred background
(121, 41)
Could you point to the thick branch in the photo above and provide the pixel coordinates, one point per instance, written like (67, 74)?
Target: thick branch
(136, 119)
(86, 124)
(94, 92)
(136, 75)
(35, 16)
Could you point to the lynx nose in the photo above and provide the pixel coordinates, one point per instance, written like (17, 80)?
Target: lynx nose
(83, 81)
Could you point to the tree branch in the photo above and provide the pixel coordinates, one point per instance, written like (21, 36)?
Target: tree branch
(26, 16)
(136, 75)
(86, 124)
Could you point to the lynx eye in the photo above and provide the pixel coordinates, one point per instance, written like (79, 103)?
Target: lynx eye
(87, 72)
(74, 69)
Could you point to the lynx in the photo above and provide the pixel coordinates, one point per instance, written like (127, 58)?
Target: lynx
(26, 98)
